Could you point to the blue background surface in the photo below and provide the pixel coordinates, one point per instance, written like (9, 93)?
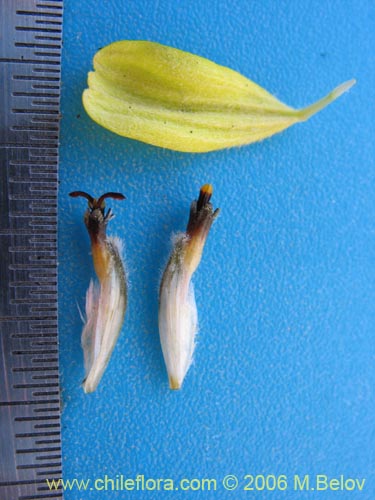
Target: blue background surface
(283, 377)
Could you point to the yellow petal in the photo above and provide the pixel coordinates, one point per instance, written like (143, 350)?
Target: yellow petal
(173, 99)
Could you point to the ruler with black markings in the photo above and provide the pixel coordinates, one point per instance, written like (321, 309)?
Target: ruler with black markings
(30, 64)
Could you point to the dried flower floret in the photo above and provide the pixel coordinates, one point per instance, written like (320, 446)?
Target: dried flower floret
(178, 318)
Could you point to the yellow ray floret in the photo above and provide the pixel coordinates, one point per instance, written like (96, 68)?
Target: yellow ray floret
(177, 100)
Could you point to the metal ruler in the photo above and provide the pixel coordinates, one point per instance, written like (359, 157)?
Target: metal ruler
(30, 63)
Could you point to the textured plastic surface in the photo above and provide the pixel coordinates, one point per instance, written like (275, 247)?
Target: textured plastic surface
(283, 378)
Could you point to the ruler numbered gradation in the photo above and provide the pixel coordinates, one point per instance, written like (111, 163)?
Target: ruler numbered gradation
(30, 64)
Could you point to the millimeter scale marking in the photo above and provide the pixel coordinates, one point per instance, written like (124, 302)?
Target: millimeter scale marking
(30, 64)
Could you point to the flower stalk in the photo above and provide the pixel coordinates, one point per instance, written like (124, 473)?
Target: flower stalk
(178, 318)
(106, 300)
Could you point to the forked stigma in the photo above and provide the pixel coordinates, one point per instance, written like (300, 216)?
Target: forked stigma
(99, 202)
